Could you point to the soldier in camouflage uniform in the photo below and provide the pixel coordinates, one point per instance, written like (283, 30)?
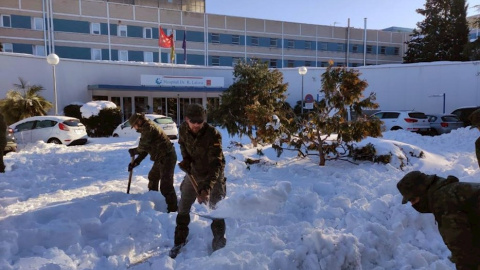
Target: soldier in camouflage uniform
(201, 146)
(475, 120)
(456, 207)
(3, 141)
(155, 142)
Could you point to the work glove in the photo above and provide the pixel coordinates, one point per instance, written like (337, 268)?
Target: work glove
(132, 152)
(185, 166)
(203, 196)
(133, 164)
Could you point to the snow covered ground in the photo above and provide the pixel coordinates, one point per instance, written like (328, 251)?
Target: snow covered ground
(67, 208)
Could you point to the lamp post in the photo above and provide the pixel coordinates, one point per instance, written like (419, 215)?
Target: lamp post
(444, 99)
(53, 60)
(302, 71)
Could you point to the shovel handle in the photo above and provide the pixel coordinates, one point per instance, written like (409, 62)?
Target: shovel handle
(192, 180)
(130, 176)
(194, 183)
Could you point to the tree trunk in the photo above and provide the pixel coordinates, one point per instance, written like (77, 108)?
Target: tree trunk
(321, 153)
(253, 140)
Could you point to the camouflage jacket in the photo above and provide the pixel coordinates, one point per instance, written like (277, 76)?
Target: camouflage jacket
(456, 207)
(3, 132)
(474, 118)
(153, 141)
(203, 154)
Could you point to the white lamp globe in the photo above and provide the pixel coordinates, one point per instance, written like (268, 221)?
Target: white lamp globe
(302, 70)
(53, 59)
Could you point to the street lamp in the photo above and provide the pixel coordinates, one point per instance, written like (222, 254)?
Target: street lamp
(444, 99)
(53, 60)
(302, 71)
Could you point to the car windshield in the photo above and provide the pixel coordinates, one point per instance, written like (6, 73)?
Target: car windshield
(163, 120)
(73, 123)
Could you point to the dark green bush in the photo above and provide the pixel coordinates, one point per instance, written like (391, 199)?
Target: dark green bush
(103, 124)
(369, 153)
(73, 110)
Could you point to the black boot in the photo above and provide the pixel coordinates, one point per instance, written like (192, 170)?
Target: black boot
(175, 250)
(218, 229)
(172, 208)
(171, 200)
(181, 233)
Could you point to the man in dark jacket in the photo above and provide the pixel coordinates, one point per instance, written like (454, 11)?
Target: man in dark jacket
(456, 207)
(201, 146)
(155, 142)
(3, 141)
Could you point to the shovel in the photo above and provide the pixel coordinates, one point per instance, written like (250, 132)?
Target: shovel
(195, 187)
(130, 176)
(193, 181)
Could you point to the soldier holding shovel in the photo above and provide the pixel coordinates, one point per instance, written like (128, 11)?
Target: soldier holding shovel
(201, 146)
(155, 142)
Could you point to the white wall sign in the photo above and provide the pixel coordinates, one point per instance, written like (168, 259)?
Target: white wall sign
(181, 81)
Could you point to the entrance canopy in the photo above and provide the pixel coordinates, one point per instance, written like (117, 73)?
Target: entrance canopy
(112, 87)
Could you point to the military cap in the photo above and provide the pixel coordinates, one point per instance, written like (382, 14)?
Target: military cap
(134, 118)
(474, 118)
(195, 112)
(414, 184)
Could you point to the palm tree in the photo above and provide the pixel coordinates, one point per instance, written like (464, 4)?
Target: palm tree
(17, 105)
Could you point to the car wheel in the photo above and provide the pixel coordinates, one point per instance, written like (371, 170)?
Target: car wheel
(115, 135)
(55, 141)
(396, 128)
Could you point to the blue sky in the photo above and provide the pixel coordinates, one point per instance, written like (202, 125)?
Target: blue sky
(379, 13)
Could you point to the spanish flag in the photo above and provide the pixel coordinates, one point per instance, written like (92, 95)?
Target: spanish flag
(164, 41)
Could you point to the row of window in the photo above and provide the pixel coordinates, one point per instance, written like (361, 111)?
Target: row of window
(152, 57)
(215, 38)
(301, 44)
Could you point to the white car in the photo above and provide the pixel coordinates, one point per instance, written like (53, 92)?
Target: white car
(164, 122)
(407, 120)
(51, 129)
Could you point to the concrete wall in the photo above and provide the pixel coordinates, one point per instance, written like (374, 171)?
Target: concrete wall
(398, 87)
(407, 86)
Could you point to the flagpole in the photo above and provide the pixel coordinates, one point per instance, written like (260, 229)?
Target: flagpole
(184, 46)
(159, 47)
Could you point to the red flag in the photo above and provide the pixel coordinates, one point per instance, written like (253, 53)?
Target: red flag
(164, 41)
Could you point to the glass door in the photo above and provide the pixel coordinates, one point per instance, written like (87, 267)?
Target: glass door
(159, 105)
(171, 109)
(127, 107)
(141, 104)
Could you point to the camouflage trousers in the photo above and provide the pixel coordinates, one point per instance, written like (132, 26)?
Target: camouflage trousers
(162, 172)
(188, 197)
(467, 267)
(477, 150)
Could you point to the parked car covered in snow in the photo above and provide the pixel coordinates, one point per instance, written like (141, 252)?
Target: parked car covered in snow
(164, 122)
(443, 123)
(463, 113)
(51, 129)
(408, 120)
(11, 142)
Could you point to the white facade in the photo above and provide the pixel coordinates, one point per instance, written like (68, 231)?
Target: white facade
(397, 86)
